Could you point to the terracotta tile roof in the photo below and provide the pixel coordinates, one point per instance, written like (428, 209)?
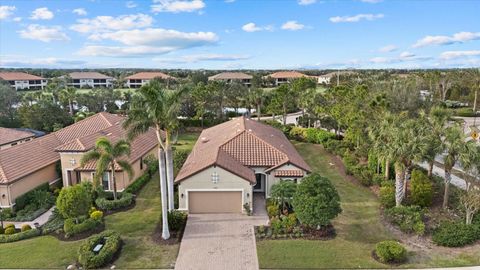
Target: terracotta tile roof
(230, 76)
(149, 76)
(18, 76)
(88, 75)
(9, 135)
(287, 74)
(26, 158)
(239, 144)
(288, 173)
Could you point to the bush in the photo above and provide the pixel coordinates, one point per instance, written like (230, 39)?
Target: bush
(276, 225)
(390, 252)
(55, 222)
(179, 158)
(421, 189)
(387, 194)
(297, 133)
(336, 147)
(289, 222)
(111, 245)
(363, 174)
(74, 201)
(26, 198)
(136, 185)
(466, 112)
(9, 225)
(9, 231)
(315, 135)
(176, 220)
(350, 162)
(408, 218)
(125, 200)
(455, 234)
(26, 227)
(7, 238)
(316, 201)
(96, 215)
(377, 179)
(273, 210)
(71, 228)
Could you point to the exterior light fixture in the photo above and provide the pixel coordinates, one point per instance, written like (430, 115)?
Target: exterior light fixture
(248, 195)
(72, 161)
(181, 195)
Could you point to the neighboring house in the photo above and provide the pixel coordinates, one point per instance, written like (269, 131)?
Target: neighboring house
(22, 80)
(282, 77)
(229, 77)
(326, 78)
(232, 161)
(39, 161)
(10, 137)
(89, 80)
(140, 79)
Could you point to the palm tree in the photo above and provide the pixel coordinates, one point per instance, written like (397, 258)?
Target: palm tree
(107, 157)
(69, 94)
(256, 97)
(156, 107)
(454, 145)
(381, 137)
(435, 122)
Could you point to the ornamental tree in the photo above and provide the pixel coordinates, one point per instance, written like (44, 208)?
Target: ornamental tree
(74, 201)
(316, 201)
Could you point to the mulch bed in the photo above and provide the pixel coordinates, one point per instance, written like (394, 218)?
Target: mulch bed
(175, 236)
(124, 209)
(324, 233)
(83, 235)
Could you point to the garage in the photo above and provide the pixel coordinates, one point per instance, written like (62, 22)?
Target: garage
(214, 202)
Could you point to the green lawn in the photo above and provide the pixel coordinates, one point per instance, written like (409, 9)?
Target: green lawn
(358, 229)
(186, 141)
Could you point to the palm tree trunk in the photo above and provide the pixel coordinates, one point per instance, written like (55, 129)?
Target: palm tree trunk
(448, 178)
(399, 190)
(169, 157)
(284, 114)
(114, 181)
(430, 168)
(258, 112)
(405, 180)
(163, 193)
(387, 169)
(475, 101)
(71, 107)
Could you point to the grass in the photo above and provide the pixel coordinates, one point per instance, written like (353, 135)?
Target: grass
(186, 141)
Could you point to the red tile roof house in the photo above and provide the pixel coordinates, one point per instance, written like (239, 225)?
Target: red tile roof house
(26, 166)
(233, 161)
(140, 79)
(229, 77)
(10, 137)
(282, 77)
(22, 80)
(90, 80)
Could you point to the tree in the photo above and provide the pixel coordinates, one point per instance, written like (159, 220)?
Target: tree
(156, 107)
(256, 97)
(316, 201)
(284, 97)
(471, 203)
(68, 95)
(470, 160)
(107, 157)
(8, 100)
(74, 201)
(282, 192)
(44, 115)
(435, 123)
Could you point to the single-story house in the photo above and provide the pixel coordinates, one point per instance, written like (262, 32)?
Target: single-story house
(138, 80)
(10, 137)
(56, 157)
(282, 77)
(22, 80)
(229, 77)
(233, 161)
(90, 80)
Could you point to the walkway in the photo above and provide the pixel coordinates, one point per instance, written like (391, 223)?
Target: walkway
(219, 241)
(456, 181)
(42, 219)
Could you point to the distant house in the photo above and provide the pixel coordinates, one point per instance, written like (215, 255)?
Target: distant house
(89, 80)
(22, 80)
(10, 137)
(230, 77)
(326, 78)
(282, 77)
(140, 79)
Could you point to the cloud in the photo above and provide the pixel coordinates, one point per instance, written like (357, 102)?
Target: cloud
(13, 62)
(6, 11)
(378, 60)
(252, 27)
(130, 4)
(109, 23)
(448, 55)
(388, 48)
(41, 14)
(177, 6)
(356, 18)
(80, 11)
(122, 51)
(306, 2)
(202, 58)
(460, 37)
(229, 1)
(17, 19)
(405, 55)
(371, 1)
(43, 33)
(292, 26)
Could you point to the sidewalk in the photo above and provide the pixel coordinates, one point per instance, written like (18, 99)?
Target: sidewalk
(456, 181)
(42, 219)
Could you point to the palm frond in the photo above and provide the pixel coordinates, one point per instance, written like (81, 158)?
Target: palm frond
(89, 156)
(126, 167)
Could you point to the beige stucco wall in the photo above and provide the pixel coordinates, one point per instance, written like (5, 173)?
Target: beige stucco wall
(203, 180)
(271, 179)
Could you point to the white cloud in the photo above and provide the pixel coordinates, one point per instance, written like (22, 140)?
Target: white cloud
(43, 33)
(229, 1)
(405, 55)
(459, 54)
(306, 2)
(202, 58)
(380, 60)
(109, 23)
(17, 19)
(388, 48)
(41, 14)
(177, 6)
(252, 27)
(356, 18)
(6, 11)
(39, 62)
(460, 37)
(371, 1)
(80, 11)
(119, 51)
(292, 26)
(130, 4)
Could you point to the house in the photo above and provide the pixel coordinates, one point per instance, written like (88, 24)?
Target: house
(89, 80)
(56, 157)
(229, 77)
(326, 78)
(232, 162)
(140, 79)
(23, 81)
(282, 77)
(10, 137)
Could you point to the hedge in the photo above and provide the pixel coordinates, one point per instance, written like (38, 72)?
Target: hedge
(125, 200)
(466, 112)
(22, 201)
(456, 234)
(390, 252)
(4, 238)
(111, 245)
(136, 185)
(71, 228)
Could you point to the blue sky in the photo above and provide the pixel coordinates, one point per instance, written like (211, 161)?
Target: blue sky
(240, 34)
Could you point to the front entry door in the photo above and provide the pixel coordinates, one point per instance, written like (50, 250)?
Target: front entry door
(260, 185)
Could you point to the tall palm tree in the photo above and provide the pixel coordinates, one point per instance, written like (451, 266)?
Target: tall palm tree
(107, 157)
(156, 107)
(435, 122)
(381, 137)
(69, 94)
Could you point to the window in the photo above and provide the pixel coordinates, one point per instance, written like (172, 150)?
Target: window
(215, 177)
(106, 181)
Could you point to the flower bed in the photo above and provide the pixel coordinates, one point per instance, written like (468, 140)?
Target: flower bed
(111, 244)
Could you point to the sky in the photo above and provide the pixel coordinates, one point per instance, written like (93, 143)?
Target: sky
(240, 34)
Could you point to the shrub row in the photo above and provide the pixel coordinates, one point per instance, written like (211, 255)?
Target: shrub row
(390, 252)
(71, 228)
(111, 245)
(125, 200)
(137, 185)
(311, 135)
(176, 220)
(456, 234)
(408, 218)
(7, 238)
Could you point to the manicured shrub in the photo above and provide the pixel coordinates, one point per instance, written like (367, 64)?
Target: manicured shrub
(136, 185)
(273, 210)
(390, 252)
(276, 225)
(125, 200)
(111, 245)
(387, 194)
(289, 222)
(315, 135)
(71, 228)
(377, 179)
(421, 189)
(9, 225)
(74, 201)
(363, 174)
(316, 201)
(350, 162)
(25, 227)
(297, 133)
(408, 218)
(9, 230)
(7, 238)
(176, 220)
(96, 215)
(336, 147)
(179, 158)
(455, 234)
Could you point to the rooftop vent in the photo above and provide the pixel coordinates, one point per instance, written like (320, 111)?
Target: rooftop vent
(204, 139)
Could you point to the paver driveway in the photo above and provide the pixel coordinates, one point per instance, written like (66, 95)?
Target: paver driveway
(219, 241)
